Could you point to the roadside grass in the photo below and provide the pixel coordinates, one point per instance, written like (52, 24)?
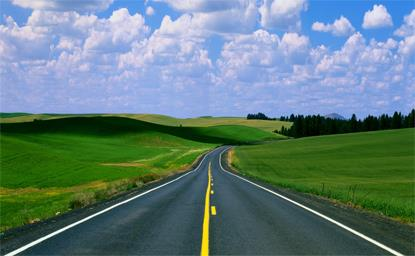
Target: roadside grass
(48, 173)
(59, 164)
(29, 205)
(372, 170)
(265, 125)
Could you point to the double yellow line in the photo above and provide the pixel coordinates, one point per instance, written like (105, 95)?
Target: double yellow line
(205, 235)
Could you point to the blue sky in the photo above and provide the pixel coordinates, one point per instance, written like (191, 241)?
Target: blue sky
(222, 57)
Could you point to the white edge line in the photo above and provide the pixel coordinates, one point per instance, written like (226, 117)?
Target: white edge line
(373, 241)
(37, 241)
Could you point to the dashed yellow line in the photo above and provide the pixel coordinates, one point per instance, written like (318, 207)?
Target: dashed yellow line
(213, 210)
(204, 251)
(211, 192)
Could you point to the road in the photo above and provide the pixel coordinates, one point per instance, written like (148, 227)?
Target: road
(206, 211)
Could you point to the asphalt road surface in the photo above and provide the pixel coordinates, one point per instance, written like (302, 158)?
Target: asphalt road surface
(206, 211)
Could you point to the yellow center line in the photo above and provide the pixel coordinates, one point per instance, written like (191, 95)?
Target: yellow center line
(204, 251)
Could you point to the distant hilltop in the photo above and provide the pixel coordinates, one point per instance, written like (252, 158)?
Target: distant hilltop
(335, 116)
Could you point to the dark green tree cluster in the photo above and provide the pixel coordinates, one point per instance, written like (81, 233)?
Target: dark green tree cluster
(260, 116)
(314, 125)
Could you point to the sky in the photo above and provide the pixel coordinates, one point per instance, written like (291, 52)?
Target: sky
(190, 58)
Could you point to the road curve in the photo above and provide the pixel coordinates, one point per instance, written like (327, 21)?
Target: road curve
(171, 219)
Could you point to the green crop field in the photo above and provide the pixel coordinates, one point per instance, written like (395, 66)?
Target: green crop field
(53, 165)
(373, 170)
(266, 125)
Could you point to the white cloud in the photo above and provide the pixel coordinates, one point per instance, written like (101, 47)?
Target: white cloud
(408, 27)
(407, 47)
(295, 47)
(62, 23)
(234, 20)
(117, 32)
(183, 26)
(230, 16)
(378, 17)
(26, 41)
(66, 61)
(281, 14)
(290, 76)
(340, 27)
(203, 5)
(241, 16)
(62, 5)
(170, 45)
(257, 56)
(150, 11)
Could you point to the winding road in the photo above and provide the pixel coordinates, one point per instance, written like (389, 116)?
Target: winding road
(206, 211)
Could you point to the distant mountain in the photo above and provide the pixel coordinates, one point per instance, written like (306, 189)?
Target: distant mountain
(335, 116)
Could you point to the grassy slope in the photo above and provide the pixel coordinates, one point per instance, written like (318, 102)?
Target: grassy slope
(14, 114)
(265, 125)
(12, 118)
(44, 164)
(105, 126)
(377, 166)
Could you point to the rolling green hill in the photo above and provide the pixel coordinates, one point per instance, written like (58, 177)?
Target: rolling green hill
(52, 165)
(266, 125)
(109, 125)
(14, 114)
(374, 170)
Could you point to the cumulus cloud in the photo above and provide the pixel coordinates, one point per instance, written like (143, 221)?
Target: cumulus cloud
(117, 32)
(67, 61)
(235, 16)
(295, 47)
(241, 16)
(378, 17)
(169, 45)
(258, 56)
(340, 27)
(56, 50)
(26, 41)
(150, 11)
(280, 14)
(294, 79)
(408, 26)
(407, 47)
(203, 5)
(59, 5)
(234, 20)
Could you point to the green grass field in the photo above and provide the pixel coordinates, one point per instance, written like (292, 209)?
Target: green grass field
(265, 125)
(11, 115)
(373, 170)
(46, 165)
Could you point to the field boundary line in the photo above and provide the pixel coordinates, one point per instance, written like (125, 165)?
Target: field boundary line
(357, 233)
(39, 240)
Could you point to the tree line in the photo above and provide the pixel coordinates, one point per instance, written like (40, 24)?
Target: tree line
(260, 116)
(314, 125)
